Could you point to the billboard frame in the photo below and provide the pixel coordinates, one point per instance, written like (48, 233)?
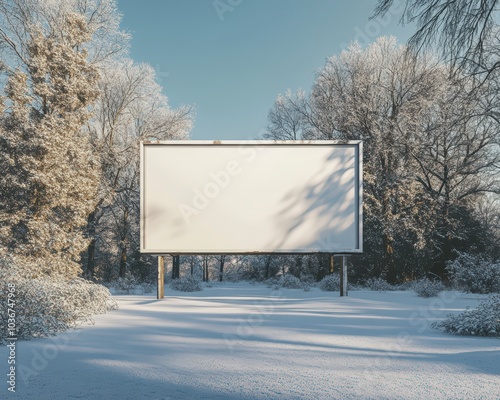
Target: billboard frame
(358, 177)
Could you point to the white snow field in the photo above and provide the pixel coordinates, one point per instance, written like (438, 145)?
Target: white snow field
(239, 341)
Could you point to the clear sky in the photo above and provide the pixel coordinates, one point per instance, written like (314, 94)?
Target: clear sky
(231, 58)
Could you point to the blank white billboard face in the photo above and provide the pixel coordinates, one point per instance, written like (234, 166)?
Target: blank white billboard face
(201, 197)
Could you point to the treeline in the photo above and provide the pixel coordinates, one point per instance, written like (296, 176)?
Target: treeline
(431, 154)
(232, 268)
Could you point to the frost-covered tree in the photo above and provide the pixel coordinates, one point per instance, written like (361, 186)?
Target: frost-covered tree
(377, 95)
(17, 17)
(488, 213)
(428, 150)
(464, 30)
(457, 155)
(287, 120)
(49, 174)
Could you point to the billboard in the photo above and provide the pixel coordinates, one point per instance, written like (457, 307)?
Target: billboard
(251, 197)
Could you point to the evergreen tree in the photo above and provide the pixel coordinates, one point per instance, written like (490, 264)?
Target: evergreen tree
(49, 174)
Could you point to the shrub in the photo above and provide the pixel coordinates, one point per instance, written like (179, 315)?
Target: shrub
(148, 287)
(290, 282)
(481, 321)
(427, 288)
(309, 279)
(126, 284)
(272, 283)
(47, 305)
(330, 283)
(474, 274)
(188, 283)
(379, 285)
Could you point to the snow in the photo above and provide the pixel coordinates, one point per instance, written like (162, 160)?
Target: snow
(240, 341)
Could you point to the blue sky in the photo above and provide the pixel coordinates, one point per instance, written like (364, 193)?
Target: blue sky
(231, 58)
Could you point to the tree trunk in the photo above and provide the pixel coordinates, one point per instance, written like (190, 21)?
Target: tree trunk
(123, 241)
(267, 266)
(392, 273)
(298, 265)
(446, 249)
(92, 245)
(123, 260)
(205, 269)
(221, 270)
(323, 266)
(446, 246)
(176, 267)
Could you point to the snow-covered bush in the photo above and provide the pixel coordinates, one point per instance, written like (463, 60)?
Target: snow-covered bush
(290, 282)
(427, 288)
(148, 287)
(188, 283)
(481, 321)
(273, 283)
(47, 305)
(126, 284)
(330, 283)
(474, 274)
(307, 278)
(308, 282)
(379, 285)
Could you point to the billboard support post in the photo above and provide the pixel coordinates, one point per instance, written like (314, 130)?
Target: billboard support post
(160, 292)
(343, 276)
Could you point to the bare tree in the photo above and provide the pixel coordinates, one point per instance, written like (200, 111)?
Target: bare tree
(206, 265)
(457, 156)
(488, 212)
(222, 260)
(286, 120)
(462, 29)
(131, 107)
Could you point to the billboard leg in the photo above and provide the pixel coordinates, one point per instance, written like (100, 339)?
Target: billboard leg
(343, 276)
(160, 292)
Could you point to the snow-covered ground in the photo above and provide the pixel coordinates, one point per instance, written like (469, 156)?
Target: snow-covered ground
(239, 341)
